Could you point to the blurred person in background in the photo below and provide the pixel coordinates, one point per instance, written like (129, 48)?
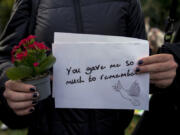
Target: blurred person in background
(156, 39)
(147, 24)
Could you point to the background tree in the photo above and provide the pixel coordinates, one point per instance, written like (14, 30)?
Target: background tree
(5, 11)
(158, 11)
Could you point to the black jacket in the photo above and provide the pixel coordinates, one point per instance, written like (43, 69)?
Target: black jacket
(107, 17)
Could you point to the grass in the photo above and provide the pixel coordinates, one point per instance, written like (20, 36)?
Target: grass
(132, 125)
(13, 132)
(24, 132)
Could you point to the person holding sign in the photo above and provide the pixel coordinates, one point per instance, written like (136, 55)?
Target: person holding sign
(105, 17)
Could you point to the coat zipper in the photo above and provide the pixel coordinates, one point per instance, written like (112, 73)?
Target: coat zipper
(78, 16)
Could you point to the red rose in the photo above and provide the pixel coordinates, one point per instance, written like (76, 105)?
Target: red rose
(14, 49)
(12, 59)
(23, 42)
(35, 64)
(41, 46)
(32, 46)
(21, 55)
(20, 51)
(31, 37)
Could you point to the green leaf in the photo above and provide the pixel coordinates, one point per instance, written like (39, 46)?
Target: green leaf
(18, 73)
(46, 64)
(42, 57)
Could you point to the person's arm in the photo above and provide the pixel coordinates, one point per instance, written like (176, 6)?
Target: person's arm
(135, 20)
(173, 49)
(167, 62)
(15, 30)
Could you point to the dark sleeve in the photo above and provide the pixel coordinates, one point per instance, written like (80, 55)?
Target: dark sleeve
(136, 27)
(174, 49)
(15, 30)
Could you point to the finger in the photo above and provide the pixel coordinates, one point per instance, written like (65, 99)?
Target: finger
(162, 83)
(19, 86)
(51, 77)
(158, 58)
(157, 67)
(163, 75)
(21, 105)
(25, 111)
(19, 96)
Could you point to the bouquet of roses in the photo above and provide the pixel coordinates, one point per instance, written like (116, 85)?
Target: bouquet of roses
(30, 60)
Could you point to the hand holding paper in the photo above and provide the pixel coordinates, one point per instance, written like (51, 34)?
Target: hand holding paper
(162, 69)
(93, 71)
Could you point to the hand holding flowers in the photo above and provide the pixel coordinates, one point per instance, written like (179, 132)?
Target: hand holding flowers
(29, 81)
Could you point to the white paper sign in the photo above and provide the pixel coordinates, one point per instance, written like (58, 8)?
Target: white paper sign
(93, 71)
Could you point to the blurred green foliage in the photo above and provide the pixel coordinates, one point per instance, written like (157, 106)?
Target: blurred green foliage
(158, 11)
(5, 11)
(13, 132)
